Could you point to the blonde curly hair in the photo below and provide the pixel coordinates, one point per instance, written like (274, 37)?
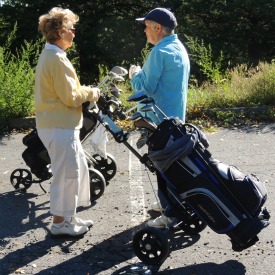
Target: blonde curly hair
(55, 20)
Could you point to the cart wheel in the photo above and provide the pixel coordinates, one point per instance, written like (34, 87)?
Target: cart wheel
(151, 246)
(21, 179)
(97, 184)
(193, 224)
(107, 167)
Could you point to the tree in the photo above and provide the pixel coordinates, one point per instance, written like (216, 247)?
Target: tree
(242, 29)
(108, 34)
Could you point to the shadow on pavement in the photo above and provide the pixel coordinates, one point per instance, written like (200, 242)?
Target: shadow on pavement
(108, 254)
(15, 208)
(20, 218)
(227, 268)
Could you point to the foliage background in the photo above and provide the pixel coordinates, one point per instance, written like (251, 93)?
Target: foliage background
(230, 44)
(108, 34)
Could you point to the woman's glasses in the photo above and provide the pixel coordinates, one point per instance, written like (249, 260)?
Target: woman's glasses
(73, 30)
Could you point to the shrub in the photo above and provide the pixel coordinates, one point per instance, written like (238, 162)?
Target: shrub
(17, 79)
(202, 55)
(256, 85)
(242, 88)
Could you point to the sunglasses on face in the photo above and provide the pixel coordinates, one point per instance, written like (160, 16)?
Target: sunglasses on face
(73, 30)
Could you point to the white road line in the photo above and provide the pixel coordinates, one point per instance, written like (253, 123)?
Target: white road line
(136, 190)
(136, 198)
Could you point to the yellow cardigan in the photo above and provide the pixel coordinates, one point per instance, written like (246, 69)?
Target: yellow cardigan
(58, 93)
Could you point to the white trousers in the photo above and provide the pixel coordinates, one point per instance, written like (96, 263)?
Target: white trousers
(70, 186)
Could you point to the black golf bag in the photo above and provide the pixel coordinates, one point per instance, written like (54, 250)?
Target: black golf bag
(227, 200)
(36, 155)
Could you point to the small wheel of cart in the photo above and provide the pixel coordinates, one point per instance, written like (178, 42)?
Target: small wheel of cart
(151, 246)
(193, 224)
(107, 167)
(21, 179)
(97, 184)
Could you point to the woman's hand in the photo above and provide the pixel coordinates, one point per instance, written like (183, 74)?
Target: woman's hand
(95, 94)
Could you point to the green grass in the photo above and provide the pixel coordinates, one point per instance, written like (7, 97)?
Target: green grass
(214, 103)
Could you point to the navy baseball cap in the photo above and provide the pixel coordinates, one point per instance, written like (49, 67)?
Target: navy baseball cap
(162, 16)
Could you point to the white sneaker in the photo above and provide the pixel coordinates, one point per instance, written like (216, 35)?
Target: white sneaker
(69, 229)
(80, 222)
(156, 206)
(160, 222)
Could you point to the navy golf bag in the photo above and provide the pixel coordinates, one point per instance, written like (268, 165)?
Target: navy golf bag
(227, 200)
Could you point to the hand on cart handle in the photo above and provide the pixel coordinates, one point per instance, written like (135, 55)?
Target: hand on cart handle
(95, 94)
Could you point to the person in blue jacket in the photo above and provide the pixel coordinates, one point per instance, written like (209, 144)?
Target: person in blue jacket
(163, 77)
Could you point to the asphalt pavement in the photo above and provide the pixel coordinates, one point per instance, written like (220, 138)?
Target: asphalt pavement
(27, 248)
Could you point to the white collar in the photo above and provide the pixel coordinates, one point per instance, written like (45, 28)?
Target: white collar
(49, 46)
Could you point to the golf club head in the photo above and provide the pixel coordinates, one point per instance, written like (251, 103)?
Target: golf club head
(135, 116)
(116, 77)
(119, 71)
(137, 96)
(149, 120)
(145, 123)
(147, 100)
(114, 87)
(147, 108)
(150, 108)
(114, 102)
(115, 93)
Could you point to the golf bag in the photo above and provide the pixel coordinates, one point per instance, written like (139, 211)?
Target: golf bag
(36, 155)
(226, 199)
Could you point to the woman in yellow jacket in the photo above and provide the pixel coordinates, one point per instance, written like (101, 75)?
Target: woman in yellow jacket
(58, 105)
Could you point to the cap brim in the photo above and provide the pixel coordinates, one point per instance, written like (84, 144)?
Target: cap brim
(140, 20)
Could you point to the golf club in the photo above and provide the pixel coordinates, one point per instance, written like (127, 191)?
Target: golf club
(150, 108)
(137, 96)
(146, 123)
(115, 91)
(119, 71)
(134, 116)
